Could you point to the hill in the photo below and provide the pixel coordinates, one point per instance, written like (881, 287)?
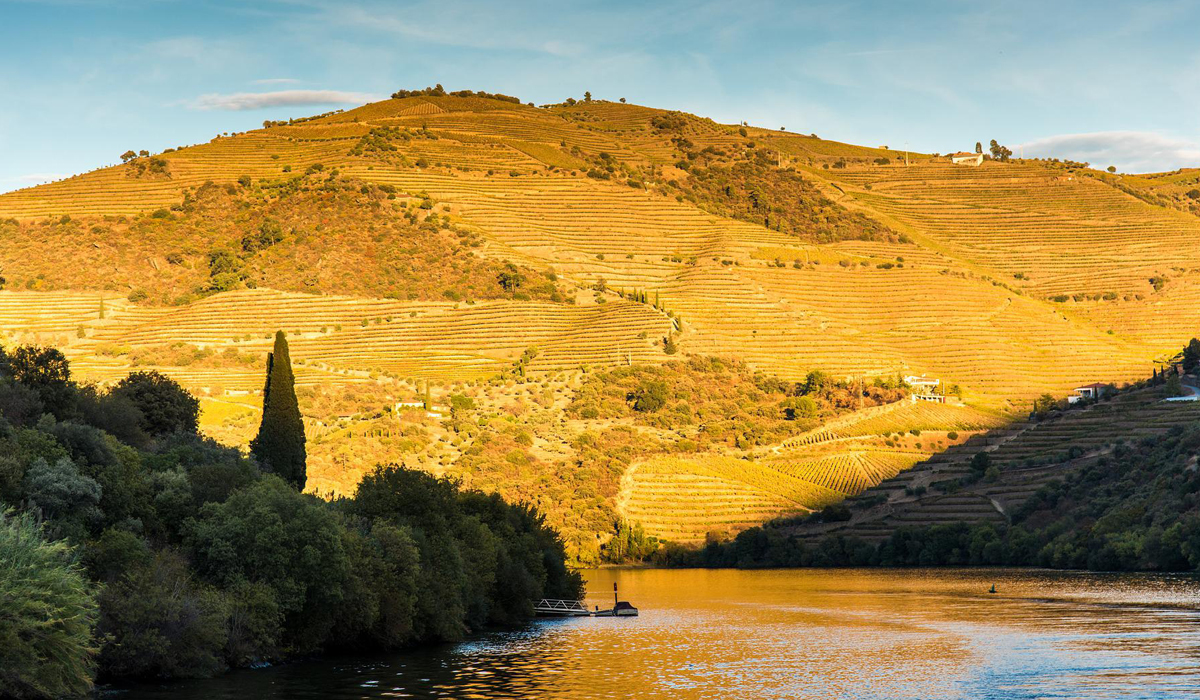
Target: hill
(432, 246)
(1103, 485)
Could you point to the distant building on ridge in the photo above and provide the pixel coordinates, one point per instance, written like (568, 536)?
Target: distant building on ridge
(965, 158)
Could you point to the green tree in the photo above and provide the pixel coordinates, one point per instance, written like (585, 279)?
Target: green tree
(999, 152)
(1191, 355)
(1044, 404)
(158, 622)
(290, 542)
(166, 407)
(47, 372)
(649, 397)
(510, 278)
(279, 445)
(47, 611)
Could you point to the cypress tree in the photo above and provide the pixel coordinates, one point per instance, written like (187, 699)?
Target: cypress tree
(279, 446)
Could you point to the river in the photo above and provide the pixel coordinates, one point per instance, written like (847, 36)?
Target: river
(796, 634)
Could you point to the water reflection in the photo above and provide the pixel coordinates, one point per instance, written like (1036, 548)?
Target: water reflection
(789, 634)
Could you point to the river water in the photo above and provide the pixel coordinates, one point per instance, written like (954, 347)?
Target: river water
(796, 634)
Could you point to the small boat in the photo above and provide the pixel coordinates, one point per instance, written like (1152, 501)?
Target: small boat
(620, 608)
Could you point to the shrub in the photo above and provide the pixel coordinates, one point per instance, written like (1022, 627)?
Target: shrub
(649, 397)
(270, 534)
(166, 407)
(47, 610)
(159, 622)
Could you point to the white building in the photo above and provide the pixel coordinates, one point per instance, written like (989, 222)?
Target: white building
(965, 158)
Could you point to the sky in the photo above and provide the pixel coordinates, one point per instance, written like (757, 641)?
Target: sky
(82, 81)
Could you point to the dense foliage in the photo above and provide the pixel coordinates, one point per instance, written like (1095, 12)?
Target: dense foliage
(279, 445)
(755, 189)
(47, 610)
(735, 406)
(199, 561)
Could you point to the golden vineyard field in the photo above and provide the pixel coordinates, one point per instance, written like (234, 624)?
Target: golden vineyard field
(1008, 280)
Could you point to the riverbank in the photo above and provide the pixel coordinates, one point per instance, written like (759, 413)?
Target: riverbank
(847, 633)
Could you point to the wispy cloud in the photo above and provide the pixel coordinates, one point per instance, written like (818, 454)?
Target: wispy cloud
(242, 101)
(1130, 151)
(276, 81)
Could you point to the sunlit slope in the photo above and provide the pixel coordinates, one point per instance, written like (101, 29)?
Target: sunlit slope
(340, 339)
(946, 304)
(686, 499)
(1047, 230)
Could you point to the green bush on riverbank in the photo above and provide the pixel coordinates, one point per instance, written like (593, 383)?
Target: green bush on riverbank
(192, 560)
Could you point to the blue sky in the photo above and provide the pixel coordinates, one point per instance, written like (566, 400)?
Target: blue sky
(1113, 83)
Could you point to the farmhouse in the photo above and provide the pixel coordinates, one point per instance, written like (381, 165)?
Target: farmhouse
(1090, 392)
(965, 158)
(924, 388)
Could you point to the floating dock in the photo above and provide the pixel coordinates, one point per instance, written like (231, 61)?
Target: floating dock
(553, 607)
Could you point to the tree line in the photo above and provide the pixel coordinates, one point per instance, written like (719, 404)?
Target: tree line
(132, 546)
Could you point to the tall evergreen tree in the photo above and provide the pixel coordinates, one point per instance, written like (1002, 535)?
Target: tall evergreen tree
(279, 446)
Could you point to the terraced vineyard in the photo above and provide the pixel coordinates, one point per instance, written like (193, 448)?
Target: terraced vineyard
(1026, 455)
(688, 499)
(1008, 280)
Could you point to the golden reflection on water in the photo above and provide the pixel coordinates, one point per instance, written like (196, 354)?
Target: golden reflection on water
(801, 634)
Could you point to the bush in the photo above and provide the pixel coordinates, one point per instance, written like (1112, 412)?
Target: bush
(160, 623)
(649, 397)
(288, 541)
(47, 610)
(166, 407)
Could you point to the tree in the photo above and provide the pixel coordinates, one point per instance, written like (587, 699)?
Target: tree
(622, 100)
(279, 446)
(267, 534)
(166, 407)
(979, 147)
(510, 278)
(1112, 168)
(46, 371)
(587, 97)
(1191, 355)
(128, 156)
(999, 152)
(649, 397)
(1044, 404)
(46, 644)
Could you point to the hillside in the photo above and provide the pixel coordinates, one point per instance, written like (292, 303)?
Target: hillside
(433, 246)
(1104, 485)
